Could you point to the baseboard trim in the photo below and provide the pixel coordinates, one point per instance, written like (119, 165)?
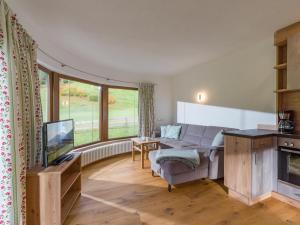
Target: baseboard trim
(238, 196)
(247, 200)
(272, 194)
(286, 199)
(261, 198)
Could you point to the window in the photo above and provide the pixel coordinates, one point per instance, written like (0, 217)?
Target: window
(45, 94)
(81, 102)
(100, 112)
(122, 113)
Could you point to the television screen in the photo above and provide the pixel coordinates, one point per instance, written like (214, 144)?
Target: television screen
(58, 140)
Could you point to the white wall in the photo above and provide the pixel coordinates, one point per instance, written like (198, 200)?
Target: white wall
(192, 113)
(239, 85)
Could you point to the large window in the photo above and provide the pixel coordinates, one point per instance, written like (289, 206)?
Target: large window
(81, 102)
(122, 113)
(45, 93)
(100, 112)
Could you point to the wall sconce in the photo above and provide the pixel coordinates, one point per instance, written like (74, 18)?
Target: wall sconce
(201, 97)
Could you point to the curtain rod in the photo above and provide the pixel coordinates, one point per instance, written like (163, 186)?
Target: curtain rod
(82, 71)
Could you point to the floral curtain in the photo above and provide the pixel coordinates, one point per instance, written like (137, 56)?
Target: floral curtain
(146, 109)
(20, 115)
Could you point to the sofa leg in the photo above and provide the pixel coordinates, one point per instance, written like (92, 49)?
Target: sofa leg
(154, 174)
(169, 187)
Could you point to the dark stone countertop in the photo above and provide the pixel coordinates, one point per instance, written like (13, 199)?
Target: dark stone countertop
(258, 133)
(251, 133)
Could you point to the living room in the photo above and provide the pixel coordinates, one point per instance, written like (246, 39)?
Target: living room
(149, 112)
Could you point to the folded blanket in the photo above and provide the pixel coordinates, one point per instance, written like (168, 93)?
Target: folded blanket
(188, 157)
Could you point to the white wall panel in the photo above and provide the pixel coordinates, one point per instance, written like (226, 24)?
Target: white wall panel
(192, 113)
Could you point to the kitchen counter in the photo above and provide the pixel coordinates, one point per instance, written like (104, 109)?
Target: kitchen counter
(258, 133)
(251, 165)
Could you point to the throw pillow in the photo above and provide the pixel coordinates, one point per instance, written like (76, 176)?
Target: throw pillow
(163, 131)
(218, 139)
(173, 132)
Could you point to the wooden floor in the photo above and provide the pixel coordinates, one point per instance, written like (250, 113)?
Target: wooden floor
(117, 191)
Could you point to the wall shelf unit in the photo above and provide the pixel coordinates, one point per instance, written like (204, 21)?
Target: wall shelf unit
(53, 192)
(286, 99)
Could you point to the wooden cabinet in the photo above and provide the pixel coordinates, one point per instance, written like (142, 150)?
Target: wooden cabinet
(248, 167)
(52, 192)
(237, 161)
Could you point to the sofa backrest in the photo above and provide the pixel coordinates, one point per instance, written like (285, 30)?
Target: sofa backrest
(199, 134)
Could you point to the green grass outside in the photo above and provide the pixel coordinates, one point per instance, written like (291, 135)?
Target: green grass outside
(123, 103)
(86, 136)
(117, 132)
(126, 103)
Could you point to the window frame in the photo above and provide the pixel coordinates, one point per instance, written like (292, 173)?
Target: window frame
(54, 78)
(50, 91)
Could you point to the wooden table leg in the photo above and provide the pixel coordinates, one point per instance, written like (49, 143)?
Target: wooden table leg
(142, 156)
(133, 152)
(146, 152)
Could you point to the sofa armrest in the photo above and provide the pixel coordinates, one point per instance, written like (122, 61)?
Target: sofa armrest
(214, 150)
(216, 167)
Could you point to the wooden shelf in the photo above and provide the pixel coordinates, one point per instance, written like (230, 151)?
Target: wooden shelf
(53, 192)
(286, 90)
(280, 66)
(287, 98)
(66, 210)
(67, 184)
(69, 200)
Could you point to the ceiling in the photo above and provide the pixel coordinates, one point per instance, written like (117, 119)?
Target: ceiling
(157, 37)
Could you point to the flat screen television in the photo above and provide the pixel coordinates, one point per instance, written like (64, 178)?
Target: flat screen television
(58, 140)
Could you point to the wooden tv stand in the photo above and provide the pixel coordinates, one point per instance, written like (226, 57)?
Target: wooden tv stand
(52, 192)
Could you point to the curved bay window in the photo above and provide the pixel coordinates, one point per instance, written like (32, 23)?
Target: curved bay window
(100, 112)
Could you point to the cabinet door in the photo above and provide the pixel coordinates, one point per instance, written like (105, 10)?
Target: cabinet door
(237, 164)
(261, 171)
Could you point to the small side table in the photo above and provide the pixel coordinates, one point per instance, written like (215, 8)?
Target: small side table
(144, 146)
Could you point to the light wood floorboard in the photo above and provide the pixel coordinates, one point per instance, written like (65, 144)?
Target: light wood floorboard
(117, 191)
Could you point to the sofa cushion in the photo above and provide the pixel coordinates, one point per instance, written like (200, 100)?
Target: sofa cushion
(175, 143)
(193, 134)
(209, 135)
(183, 129)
